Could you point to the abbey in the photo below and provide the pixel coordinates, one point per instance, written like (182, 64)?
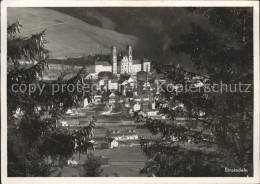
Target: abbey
(120, 63)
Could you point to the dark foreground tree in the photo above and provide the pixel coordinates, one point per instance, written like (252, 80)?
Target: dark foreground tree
(33, 135)
(217, 133)
(92, 166)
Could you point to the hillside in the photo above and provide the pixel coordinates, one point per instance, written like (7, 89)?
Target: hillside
(66, 35)
(158, 28)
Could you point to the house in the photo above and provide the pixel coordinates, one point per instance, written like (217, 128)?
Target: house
(103, 144)
(62, 123)
(137, 99)
(68, 122)
(152, 112)
(109, 143)
(122, 133)
(112, 84)
(127, 104)
(136, 107)
(69, 111)
(109, 97)
(99, 66)
(142, 76)
(126, 80)
(120, 99)
(135, 93)
(113, 143)
(108, 108)
(97, 98)
(145, 97)
(68, 63)
(85, 102)
(101, 82)
(112, 98)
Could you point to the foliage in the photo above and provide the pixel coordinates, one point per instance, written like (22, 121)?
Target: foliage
(92, 166)
(106, 75)
(33, 135)
(224, 137)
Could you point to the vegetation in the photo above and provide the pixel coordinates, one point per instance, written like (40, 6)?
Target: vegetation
(224, 137)
(92, 166)
(106, 75)
(33, 135)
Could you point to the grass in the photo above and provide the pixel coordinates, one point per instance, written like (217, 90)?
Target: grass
(124, 161)
(67, 35)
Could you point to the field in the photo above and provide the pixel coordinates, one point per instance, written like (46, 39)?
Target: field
(123, 162)
(63, 39)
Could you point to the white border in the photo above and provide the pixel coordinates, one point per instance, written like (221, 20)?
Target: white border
(111, 180)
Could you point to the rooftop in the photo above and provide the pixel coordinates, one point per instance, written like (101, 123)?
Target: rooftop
(104, 63)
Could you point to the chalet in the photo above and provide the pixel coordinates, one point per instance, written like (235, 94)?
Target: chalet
(113, 143)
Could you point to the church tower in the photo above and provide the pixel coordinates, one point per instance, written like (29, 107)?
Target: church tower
(114, 60)
(130, 58)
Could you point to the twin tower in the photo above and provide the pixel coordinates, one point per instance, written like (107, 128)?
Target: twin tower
(126, 61)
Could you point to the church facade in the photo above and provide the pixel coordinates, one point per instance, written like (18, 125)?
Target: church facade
(120, 63)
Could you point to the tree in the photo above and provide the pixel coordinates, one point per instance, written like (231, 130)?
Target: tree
(92, 166)
(33, 135)
(223, 138)
(83, 138)
(106, 75)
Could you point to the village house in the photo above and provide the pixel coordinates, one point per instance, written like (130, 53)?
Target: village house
(85, 102)
(122, 133)
(68, 122)
(112, 98)
(72, 64)
(62, 123)
(126, 81)
(113, 84)
(101, 82)
(97, 98)
(113, 143)
(107, 144)
(136, 106)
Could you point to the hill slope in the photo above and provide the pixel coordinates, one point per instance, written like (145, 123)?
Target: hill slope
(66, 35)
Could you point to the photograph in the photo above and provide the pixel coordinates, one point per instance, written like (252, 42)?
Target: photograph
(130, 90)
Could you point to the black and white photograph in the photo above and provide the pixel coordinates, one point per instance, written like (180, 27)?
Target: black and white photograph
(130, 90)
